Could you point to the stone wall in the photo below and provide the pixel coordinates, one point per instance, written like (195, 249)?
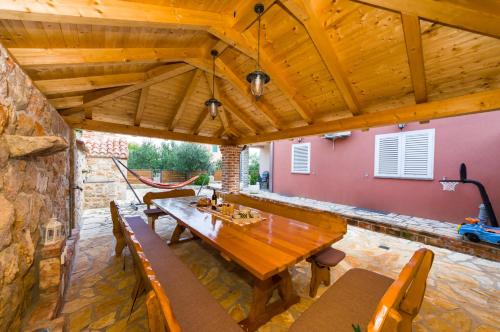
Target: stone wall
(102, 181)
(32, 189)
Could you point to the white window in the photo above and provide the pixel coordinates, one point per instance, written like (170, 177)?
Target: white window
(301, 158)
(406, 155)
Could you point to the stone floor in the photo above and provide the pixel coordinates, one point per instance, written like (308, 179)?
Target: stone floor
(463, 291)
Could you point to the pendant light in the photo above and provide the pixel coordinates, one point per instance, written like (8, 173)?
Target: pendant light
(258, 78)
(213, 104)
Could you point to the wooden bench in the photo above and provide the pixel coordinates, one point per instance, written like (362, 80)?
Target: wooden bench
(188, 300)
(153, 213)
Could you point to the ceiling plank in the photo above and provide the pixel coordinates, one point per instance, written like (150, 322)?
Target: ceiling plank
(165, 73)
(236, 111)
(204, 116)
(473, 103)
(244, 14)
(190, 89)
(413, 40)
(85, 124)
(109, 12)
(91, 56)
(303, 11)
(243, 87)
(88, 83)
(476, 16)
(66, 102)
(141, 105)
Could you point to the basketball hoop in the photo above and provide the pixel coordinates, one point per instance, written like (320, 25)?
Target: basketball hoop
(449, 185)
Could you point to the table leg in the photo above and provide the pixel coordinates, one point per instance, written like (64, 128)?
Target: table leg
(260, 310)
(176, 234)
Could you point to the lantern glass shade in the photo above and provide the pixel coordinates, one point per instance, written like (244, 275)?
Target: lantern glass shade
(257, 81)
(212, 105)
(52, 231)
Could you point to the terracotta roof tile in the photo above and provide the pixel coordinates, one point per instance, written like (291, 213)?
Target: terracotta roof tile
(105, 145)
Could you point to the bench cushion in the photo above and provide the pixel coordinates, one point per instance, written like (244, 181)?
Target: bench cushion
(351, 300)
(193, 306)
(153, 212)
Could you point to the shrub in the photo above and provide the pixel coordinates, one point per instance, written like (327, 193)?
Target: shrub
(202, 179)
(254, 178)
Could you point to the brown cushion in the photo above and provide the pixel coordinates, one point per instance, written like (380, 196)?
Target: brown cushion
(152, 212)
(351, 300)
(193, 306)
(329, 257)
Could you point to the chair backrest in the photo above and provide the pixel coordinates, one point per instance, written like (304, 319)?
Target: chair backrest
(403, 299)
(323, 219)
(166, 194)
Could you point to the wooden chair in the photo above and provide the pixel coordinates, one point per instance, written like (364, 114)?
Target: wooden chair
(370, 300)
(320, 267)
(155, 213)
(402, 301)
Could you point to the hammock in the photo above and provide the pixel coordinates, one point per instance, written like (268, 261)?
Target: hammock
(157, 185)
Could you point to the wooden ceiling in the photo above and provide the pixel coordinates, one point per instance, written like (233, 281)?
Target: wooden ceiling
(144, 67)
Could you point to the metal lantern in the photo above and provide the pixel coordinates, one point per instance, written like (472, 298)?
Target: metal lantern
(213, 104)
(52, 231)
(258, 79)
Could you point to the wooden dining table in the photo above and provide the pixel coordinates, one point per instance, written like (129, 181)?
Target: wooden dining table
(266, 249)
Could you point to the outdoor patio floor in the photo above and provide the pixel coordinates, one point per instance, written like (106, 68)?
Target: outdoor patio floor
(463, 291)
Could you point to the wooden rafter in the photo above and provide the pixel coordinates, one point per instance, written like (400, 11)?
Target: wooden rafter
(477, 16)
(190, 89)
(91, 56)
(155, 76)
(75, 84)
(66, 102)
(243, 88)
(238, 113)
(244, 14)
(141, 106)
(413, 40)
(79, 123)
(204, 116)
(468, 104)
(109, 12)
(304, 12)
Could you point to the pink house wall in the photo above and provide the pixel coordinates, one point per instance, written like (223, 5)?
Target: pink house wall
(342, 172)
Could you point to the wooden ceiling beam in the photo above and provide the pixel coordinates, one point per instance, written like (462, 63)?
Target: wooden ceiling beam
(154, 76)
(476, 16)
(85, 124)
(238, 113)
(204, 116)
(243, 87)
(473, 103)
(66, 102)
(88, 83)
(303, 11)
(141, 106)
(110, 12)
(413, 41)
(190, 89)
(31, 57)
(244, 14)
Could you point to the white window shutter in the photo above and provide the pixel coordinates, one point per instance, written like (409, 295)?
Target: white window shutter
(301, 158)
(418, 154)
(387, 156)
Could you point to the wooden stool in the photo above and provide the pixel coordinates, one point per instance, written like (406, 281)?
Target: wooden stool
(320, 267)
(152, 215)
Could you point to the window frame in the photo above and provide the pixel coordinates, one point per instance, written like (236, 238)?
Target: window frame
(401, 155)
(308, 144)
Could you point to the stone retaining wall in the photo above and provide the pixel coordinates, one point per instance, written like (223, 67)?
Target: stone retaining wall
(32, 189)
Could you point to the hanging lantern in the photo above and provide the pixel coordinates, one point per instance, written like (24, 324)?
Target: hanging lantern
(213, 104)
(52, 231)
(258, 79)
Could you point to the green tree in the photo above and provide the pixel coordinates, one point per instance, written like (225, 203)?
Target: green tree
(144, 156)
(188, 157)
(166, 155)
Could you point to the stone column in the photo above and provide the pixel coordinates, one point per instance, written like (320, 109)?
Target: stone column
(244, 160)
(230, 168)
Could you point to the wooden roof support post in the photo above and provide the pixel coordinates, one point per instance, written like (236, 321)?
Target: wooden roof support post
(190, 89)
(303, 12)
(141, 106)
(413, 40)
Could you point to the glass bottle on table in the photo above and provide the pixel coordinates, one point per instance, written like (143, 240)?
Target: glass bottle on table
(214, 201)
